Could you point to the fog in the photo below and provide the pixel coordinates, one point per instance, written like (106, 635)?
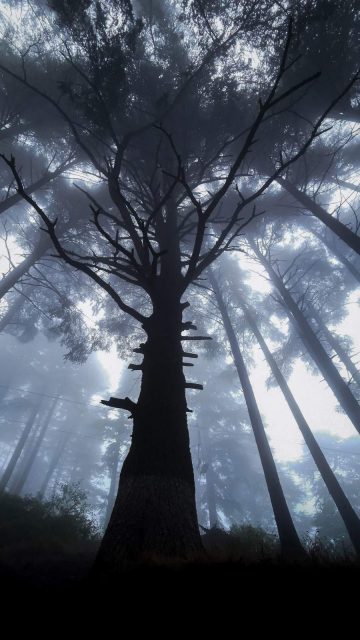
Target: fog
(179, 293)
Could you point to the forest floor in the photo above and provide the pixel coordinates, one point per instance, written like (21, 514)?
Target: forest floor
(46, 555)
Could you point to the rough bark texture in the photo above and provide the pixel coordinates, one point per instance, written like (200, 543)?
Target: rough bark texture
(291, 548)
(154, 520)
(154, 513)
(349, 516)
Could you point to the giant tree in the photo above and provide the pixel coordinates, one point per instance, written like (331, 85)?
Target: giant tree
(150, 237)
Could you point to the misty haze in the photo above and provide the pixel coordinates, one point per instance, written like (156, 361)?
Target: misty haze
(180, 288)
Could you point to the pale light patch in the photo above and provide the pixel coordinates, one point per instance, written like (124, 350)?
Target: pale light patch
(254, 276)
(80, 174)
(315, 400)
(308, 508)
(282, 324)
(86, 310)
(16, 254)
(113, 366)
(351, 323)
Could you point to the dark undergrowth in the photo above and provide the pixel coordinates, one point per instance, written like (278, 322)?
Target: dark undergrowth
(48, 548)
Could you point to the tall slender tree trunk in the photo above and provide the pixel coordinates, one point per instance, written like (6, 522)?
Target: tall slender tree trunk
(209, 479)
(349, 516)
(54, 462)
(25, 455)
(335, 344)
(113, 480)
(340, 229)
(20, 446)
(35, 449)
(291, 548)
(336, 383)
(13, 277)
(338, 254)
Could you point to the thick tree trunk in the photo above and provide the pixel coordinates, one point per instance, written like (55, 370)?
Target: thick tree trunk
(154, 516)
(291, 548)
(335, 344)
(18, 486)
(349, 516)
(315, 348)
(13, 277)
(340, 229)
(19, 447)
(54, 462)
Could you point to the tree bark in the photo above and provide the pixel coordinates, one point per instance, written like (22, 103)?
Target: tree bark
(154, 514)
(314, 346)
(349, 516)
(154, 517)
(19, 447)
(291, 547)
(341, 230)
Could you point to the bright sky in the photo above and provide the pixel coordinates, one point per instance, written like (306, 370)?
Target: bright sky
(313, 395)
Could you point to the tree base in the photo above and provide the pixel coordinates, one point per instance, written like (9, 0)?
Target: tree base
(154, 521)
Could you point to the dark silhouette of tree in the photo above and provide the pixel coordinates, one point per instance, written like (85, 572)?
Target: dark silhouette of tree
(291, 548)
